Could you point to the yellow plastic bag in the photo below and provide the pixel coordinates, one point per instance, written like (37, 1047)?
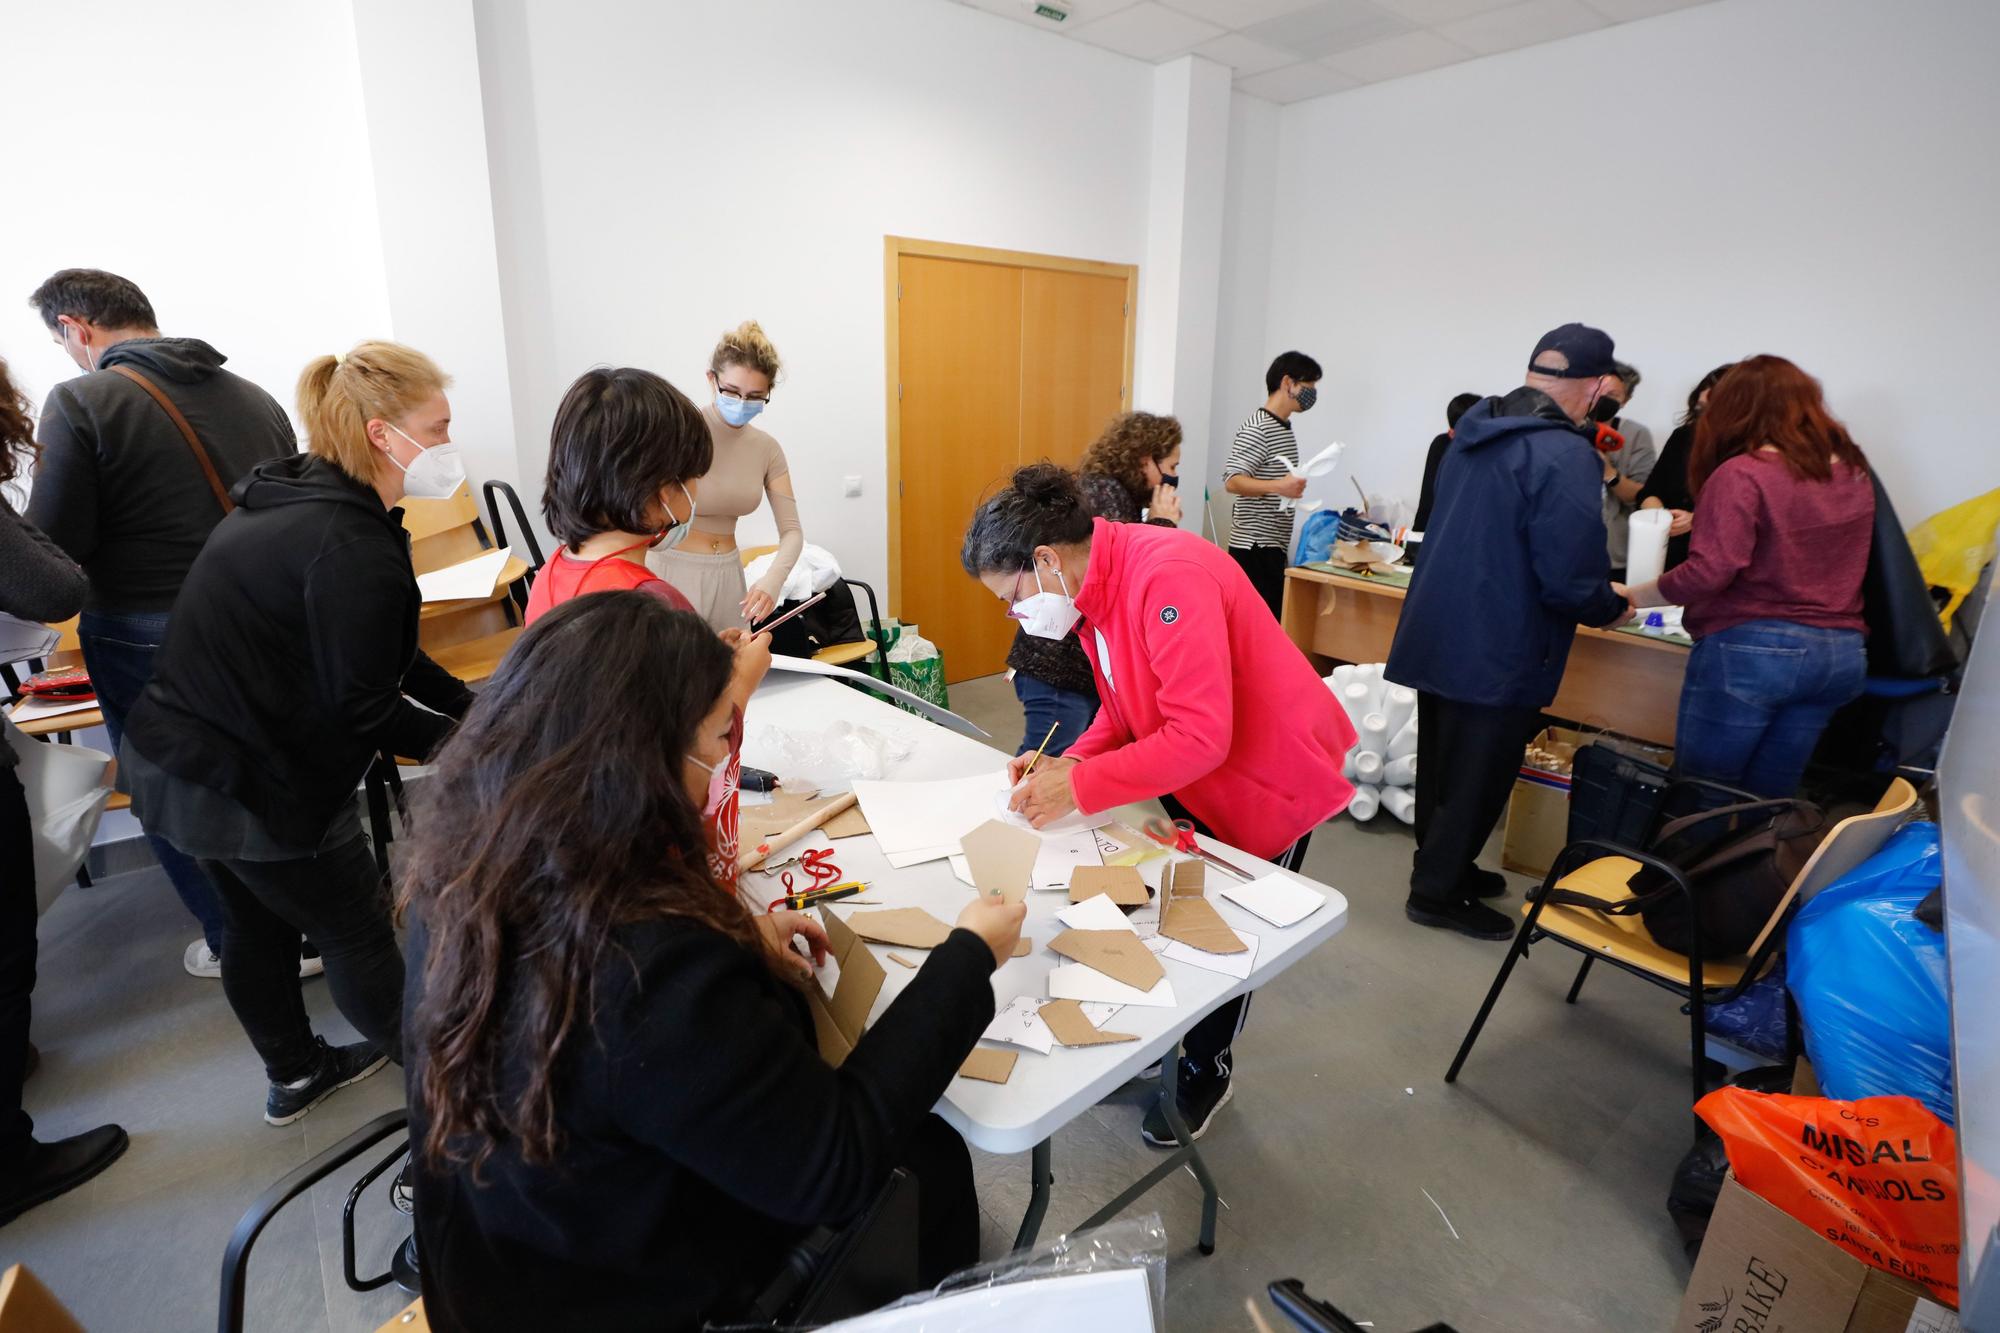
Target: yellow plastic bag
(1953, 545)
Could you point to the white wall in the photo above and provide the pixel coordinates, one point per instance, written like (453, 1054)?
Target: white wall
(1242, 341)
(1814, 178)
(661, 172)
(214, 153)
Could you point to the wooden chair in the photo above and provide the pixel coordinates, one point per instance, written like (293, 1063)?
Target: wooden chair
(26, 1306)
(1602, 870)
(846, 654)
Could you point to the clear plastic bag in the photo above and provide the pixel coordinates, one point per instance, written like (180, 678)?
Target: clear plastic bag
(1128, 1243)
(828, 759)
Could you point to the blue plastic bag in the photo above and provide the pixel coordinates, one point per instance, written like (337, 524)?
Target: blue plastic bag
(1754, 1020)
(1316, 537)
(1869, 978)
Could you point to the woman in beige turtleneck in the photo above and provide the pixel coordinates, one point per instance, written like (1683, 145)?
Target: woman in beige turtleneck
(706, 568)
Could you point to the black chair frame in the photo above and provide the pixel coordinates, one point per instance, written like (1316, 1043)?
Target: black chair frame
(236, 1259)
(1696, 995)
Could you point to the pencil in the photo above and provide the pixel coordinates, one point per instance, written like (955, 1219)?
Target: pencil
(1038, 751)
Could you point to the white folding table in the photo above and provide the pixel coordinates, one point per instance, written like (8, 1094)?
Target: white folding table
(1044, 1093)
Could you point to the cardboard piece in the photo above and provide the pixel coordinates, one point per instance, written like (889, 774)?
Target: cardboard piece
(1067, 1021)
(1002, 859)
(1762, 1269)
(1121, 884)
(907, 927)
(989, 1066)
(1186, 879)
(1118, 954)
(1074, 981)
(849, 823)
(1021, 947)
(1538, 812)
(1188, 917)
(839, 1020)
(1061, 854)
(898, 958)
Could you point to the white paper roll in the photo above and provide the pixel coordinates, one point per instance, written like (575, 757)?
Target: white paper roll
(1404, 742)
(1368, 765)
(1399, 705)
(1400, 772)
(1646, 546)
(1400, 802)
(1367, 800)
(1341, 676)
(1347, 765)
(1373, 731)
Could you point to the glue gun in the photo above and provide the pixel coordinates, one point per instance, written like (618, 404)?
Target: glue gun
(1607, 440)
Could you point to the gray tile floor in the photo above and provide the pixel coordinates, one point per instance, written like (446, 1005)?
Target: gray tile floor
(1550, 1159)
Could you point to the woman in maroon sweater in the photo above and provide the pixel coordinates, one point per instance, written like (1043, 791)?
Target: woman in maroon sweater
(1772, 582)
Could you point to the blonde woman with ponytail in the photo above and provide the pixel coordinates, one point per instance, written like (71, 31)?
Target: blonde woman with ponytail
(291, 661)
(749, 468)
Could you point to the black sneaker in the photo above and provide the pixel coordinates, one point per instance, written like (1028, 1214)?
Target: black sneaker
(1200, 1097)
(338, 1067)
(50, 1169)
(1463, 915)
(1481, 883)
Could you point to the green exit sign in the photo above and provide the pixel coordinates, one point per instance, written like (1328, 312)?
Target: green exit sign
(1051, 13)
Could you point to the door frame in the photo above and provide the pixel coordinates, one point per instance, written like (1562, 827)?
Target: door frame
(893, 250)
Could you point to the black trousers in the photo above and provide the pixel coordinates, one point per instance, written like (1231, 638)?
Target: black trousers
(1467, 759)
(947, 1200)
(17, 964)
(1266, 567)
(337, 901)
(1207, 1043)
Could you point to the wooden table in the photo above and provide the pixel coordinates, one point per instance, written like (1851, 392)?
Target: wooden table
(1622, 682)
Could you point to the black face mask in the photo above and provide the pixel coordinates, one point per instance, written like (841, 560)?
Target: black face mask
(1170, 479)
(1604, 409)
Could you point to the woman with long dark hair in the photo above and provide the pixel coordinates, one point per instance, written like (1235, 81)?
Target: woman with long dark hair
(1667, 484)
(619, 1115)
(1772, 582)
(39, 583)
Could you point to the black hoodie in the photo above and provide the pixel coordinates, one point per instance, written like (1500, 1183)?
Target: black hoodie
(117, 487)
(291, 649)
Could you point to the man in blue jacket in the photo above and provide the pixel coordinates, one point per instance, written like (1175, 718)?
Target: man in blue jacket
(1514, 560)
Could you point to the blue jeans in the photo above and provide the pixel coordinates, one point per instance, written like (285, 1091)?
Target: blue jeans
(1757, 697)
(1069, 712)
(118, 649)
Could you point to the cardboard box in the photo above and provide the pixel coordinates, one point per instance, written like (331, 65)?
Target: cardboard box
(1538, 812)
(1761, 1271)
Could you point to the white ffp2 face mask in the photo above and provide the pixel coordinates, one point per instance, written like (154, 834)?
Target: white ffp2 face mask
(436, 475)
(1047, 615)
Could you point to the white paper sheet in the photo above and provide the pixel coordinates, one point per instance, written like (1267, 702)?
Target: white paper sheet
(1229, 964)
(1061, 854)
(910, 817)
(919, 855)
(21, 639)
(962, 868)
(805, 666)
(473, 578)
(1279, 899)
(1077, 981)
(1096, 912)
(33, 710)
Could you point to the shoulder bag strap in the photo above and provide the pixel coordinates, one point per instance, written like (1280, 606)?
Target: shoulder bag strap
(187, 433)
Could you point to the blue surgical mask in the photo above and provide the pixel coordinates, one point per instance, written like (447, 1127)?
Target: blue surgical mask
(737, 411)
(675, 533)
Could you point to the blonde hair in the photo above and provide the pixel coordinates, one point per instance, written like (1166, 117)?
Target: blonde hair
(340, 394)
(745, 345)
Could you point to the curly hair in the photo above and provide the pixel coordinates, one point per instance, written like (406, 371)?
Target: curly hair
(17, 427)
(1130, 440)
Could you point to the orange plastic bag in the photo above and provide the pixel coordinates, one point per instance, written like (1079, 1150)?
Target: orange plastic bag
(1877, 1177)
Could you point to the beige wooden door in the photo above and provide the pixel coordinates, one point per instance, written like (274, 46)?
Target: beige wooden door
(996, 364)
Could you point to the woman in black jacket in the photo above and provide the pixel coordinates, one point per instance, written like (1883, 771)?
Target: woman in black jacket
(1129, 474)
(619, 1116)
(37, 582)
(1667, 485)
(286, 667)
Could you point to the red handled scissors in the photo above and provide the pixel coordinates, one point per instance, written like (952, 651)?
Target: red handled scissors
(1178, 835)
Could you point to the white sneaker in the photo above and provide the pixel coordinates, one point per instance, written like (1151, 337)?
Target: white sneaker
(201, 961)
(310, 966)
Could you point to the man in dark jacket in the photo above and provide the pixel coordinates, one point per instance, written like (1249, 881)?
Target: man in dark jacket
(1515, 562)
(121, 490)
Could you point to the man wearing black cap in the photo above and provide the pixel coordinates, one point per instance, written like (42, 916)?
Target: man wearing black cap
(1515, 562)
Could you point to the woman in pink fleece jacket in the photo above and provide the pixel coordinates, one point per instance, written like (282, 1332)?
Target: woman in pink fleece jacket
(1206, 704)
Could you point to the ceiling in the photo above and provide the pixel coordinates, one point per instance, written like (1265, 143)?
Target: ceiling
(1289, 50)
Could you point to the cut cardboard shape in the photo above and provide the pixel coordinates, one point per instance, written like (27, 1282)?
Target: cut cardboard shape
(1121, 884)
(1760, 1268)
(989, 1066)
(849, 823)
(1187, 916)
(1067, 1021)
(905, 927)
(754, 823)
(838, 1020)
(1186, 879)
(1002, 859)
(1021, 947)
(1118, 954)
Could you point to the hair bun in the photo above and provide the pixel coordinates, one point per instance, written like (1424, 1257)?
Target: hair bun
(1048, 484)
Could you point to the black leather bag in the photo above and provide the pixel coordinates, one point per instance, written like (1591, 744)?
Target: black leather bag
(1740, 860)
